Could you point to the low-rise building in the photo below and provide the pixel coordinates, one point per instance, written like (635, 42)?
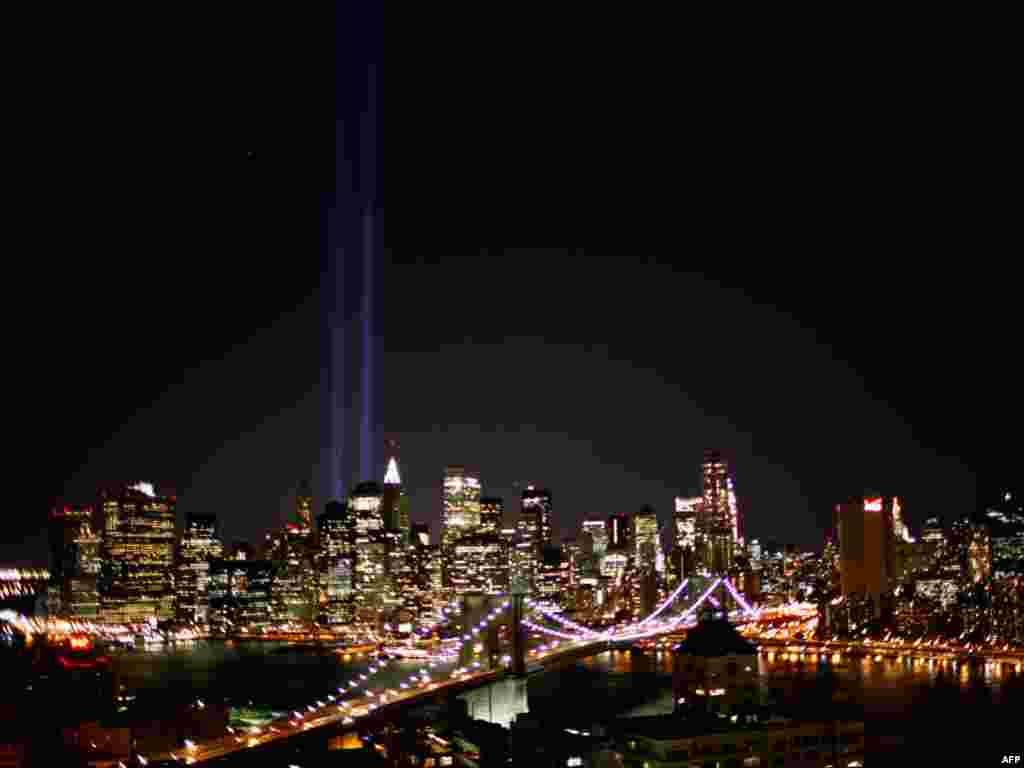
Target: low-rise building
(668, 740)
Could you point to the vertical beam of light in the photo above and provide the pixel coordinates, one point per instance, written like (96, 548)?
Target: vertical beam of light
(368, 331)
(367, 444)
(334, 318)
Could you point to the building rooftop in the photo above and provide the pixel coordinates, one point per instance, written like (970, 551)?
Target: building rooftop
(714, 637)
(670, 727)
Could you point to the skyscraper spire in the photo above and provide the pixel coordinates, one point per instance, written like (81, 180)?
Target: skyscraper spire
(391, 477)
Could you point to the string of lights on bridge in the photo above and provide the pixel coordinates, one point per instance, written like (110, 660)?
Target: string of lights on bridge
(348, 708)
(644, 628)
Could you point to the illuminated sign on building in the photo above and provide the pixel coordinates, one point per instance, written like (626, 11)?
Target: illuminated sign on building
(873, 505)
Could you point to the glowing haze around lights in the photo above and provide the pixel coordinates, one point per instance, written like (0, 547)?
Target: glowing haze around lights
(146, 488)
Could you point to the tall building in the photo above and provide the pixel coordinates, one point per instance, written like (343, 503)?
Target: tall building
(200, 545)
(645, 536)
(899, 525)
(684, 521)
(423, 568)
(304, 509)
(136, 582)
(553, 573)
(336, 533)
(614, 564)
(979, 554)
(755, 553)
(240, 594)
(537, 502)
(367, 503)
(421, 534)
(460, 513)
(688, 534)
(720, 526)
(866, 549)
(294, 576)
(598, 533)
(1005, 518)
(618, 532)
(394, 503)
(370, 549)
(396, 569)
(525, 551)
(371, 573)
(480, 564)
(74, 562)
(492, 509)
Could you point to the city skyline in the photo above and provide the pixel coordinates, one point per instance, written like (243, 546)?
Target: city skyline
(518, 426)
(566, 527)
(736, 486)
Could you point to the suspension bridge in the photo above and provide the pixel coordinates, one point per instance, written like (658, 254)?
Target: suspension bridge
(540, 638)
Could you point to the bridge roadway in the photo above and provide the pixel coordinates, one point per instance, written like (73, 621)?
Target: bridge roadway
(349, 715)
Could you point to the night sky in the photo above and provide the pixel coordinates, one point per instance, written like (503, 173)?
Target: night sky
(851, 328)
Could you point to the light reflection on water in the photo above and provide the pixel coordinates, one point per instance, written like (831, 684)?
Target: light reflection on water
(264, 674)
(267, 674)
(880, 687)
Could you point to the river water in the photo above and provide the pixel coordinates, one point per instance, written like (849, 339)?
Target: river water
(912, 710)
(901, 701)
(278, 676)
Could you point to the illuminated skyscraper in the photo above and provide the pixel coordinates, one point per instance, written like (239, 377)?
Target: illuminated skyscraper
(136, 581)
(1005, 517)
(537, 501)
(294, 574)
(979, 553)
(370, 548)
(618, 532)
(533, 533)
(421, 534)
(755, 553)
(422, 560)
(199, 546)
(899, 526)
(74, 562)
(335, 563)
(240, 594)
(396, 567)
(480, 564)
(598, 533)
(684, 519)
(553, 574)
(460, 513)
(719, 522)
(304, 509)
(491, 511)
(866, 550)
(371, 573)
(395, 504)
(525, 552)
(645, 537)
(614, 564)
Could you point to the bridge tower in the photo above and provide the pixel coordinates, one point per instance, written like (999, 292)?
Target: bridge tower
(518, 595)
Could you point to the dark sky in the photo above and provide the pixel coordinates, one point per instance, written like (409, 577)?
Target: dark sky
(851, 325)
